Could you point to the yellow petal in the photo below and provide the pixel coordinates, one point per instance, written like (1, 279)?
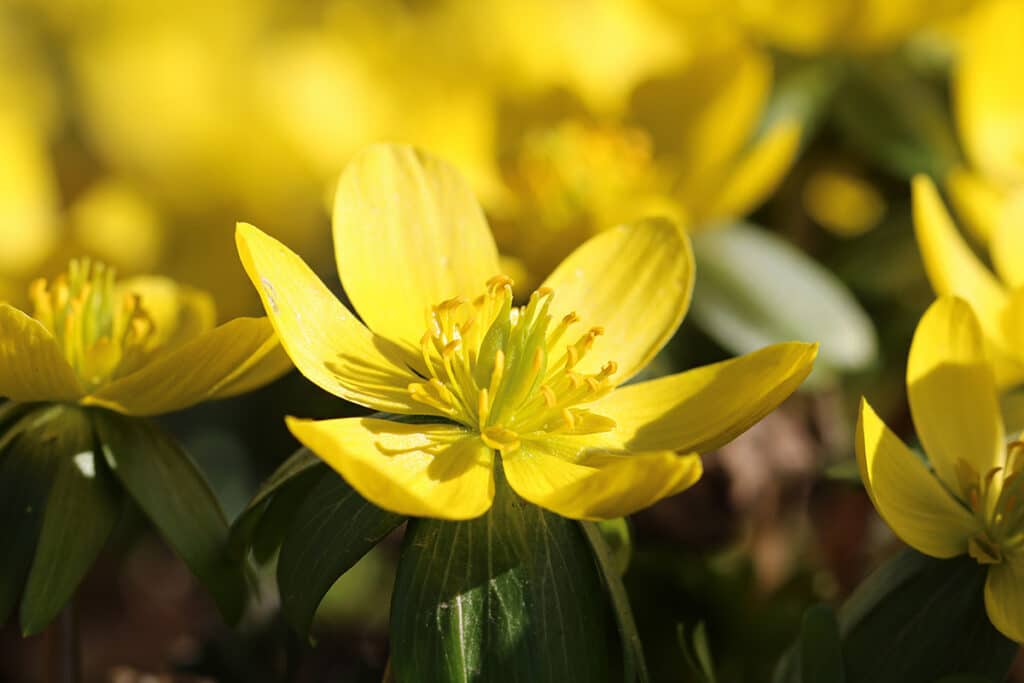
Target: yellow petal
(324, 339)
(951, 265)
(32, 367)
(757, 173)
(1004, 598)
(408, 234)
(976, 200)
(952, 392)
(635, 281)
(555, 474)
(907, 496)
(179, 313)
(1007, 246)
(238, 356)
(989, 112)
(437, 471)
(702, 409)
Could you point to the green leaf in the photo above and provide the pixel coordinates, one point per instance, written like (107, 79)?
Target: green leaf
(169, 488)
(332, 529)
(896, 118)
(918, 618)
(244, 528)
(30, 449)
(696, 654)
(754, 289)
(634, 663)
(821, 657)
(512, 595)
(81, 511)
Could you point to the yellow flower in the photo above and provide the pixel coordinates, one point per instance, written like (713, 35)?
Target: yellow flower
(141, 346)
(538, 384)
(966, 499)
(953, 268)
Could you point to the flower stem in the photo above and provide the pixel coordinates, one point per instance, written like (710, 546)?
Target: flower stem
(63, 649)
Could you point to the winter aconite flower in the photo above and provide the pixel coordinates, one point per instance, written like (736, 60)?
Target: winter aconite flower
(966, 497)
(536, 385)
(953, 268)
(141, 346)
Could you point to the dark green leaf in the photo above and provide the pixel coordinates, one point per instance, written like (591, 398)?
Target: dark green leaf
(754, 289)
(821, 657)
(513, 595)
(81, 511)
(243, 528)
(332, 529)
(696, 654)
(897, 119)
(634, 663)
(282, 510)
(30, 450)
(171, 491)
(918, 618)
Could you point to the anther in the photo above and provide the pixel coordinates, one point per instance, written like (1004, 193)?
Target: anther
(549, 395)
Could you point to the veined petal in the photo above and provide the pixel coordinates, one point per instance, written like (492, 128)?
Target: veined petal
(756, 173)
(1007, 246)
(952, 392)
(439, 471)
(1004, 598)
(702, 409)
(324, 339)
(408, 234)
(949, 262)
(32, 366)
(635, 281)
(560, 475)
(907, 496)
(976, 200)
(238, 356)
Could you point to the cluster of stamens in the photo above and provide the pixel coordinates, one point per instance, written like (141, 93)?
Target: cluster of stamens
(505, 371)
(102, 332)
(995, 499)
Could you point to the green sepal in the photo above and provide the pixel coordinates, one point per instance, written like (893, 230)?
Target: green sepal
(821, 656)
(29, 451)
(332, 529)
(82, 508)
(634, 664)
(754, 289)
(245, 530)
(171, 491)
(513, 595)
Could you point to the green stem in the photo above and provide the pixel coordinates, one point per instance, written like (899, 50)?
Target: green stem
(63, 649)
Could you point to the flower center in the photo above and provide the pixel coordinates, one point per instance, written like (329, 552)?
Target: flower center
(102, 332)
(505, 371)
(995, 500)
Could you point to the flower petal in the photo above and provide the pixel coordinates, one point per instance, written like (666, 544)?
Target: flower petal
(179, 313)
(438, 471)
(408, 234)
(756, 173)
(32, 367)
(951, 265)
(635, 281)
(596, 484)
(976, 200)
(702, 409)
(1004, 598)
(908, 497)
(1007, 246)
(235, 357)
(324, 339)
(952, 392)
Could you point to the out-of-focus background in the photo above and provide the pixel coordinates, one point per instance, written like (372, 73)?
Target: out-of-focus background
(782, 135)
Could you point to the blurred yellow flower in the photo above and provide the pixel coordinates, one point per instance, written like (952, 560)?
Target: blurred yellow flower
(413, 251)
(968, 500)
(843, 201)
(953, 268)
(141, 346)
